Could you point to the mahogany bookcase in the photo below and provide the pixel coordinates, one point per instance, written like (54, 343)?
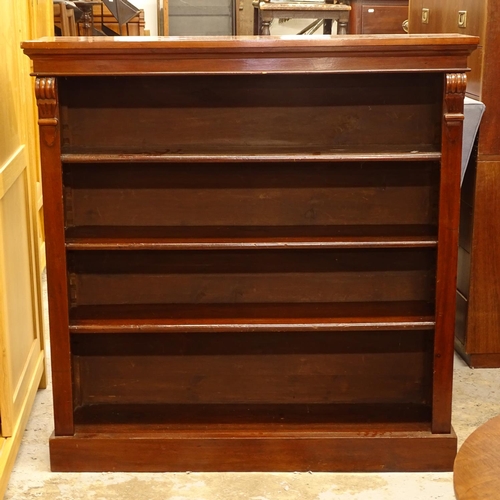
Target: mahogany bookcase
(252, 250)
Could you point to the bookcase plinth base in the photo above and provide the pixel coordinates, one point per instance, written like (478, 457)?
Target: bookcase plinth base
(212, 452)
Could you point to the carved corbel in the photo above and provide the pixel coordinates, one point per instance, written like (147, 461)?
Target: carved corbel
(456, 83)
(46, 96)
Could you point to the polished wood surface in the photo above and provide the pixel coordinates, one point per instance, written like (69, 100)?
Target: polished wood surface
(443, 18)
(484, 266)
(489, 142)
(475, 473)
(247, 55)
(378, 16)
(297, 450)
(244, 262)
(46, 93)
(478, 304)
(447, 260)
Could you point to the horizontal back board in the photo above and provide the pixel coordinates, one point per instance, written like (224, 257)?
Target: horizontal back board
(176, 277)
(252, 194)
(358, 367)
(176, 114)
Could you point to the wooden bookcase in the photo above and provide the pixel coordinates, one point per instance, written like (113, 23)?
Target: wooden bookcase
(251, 250)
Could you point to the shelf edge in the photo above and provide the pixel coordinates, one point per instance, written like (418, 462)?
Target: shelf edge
(238, 245)
(91, 328)
(212, 158)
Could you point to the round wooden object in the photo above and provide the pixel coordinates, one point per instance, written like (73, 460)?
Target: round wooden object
(476, 474)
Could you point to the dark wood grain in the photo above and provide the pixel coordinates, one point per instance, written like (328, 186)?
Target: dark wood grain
(223, 418)
(478, 335)
(328, 451)
(229, 277)
(382, 18)
(249, 237)
(271, 317)
(248, 55)
(264, 368)
(46, 92)
(489, 142)
(263, 194)
(484, 314)
(271, 154)
(256, 379)
(254, 246)
(447, 258)
(173, 113)
(479, 360)
(387, 16)
(219, 343)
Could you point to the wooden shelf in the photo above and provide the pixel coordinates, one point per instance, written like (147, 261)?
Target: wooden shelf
(411, 153)
(247, 238)
(252, 317)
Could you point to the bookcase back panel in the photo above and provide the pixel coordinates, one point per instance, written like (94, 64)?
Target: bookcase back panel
(176, 114)
(252, 194)
(358, 367)
(136, 277)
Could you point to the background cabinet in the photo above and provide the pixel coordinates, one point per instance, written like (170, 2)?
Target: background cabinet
(378, 16)
(254, 264)
(478, 303)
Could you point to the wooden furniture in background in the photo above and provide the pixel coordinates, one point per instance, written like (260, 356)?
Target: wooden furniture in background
(102, 20)
(87, 22)
(478, 292)
(267, 10)
(21, 238)
(378, 16)
(64, 18)
(236, 291)
(475, 473)
(105, 21)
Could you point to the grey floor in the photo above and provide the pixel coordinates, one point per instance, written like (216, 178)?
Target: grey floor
(476, 400)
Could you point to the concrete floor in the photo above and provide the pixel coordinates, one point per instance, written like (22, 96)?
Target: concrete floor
(476, 400)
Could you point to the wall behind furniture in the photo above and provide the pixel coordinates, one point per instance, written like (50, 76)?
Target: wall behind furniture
(150, 14)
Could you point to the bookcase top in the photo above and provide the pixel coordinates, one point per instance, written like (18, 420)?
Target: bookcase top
(253, 54)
